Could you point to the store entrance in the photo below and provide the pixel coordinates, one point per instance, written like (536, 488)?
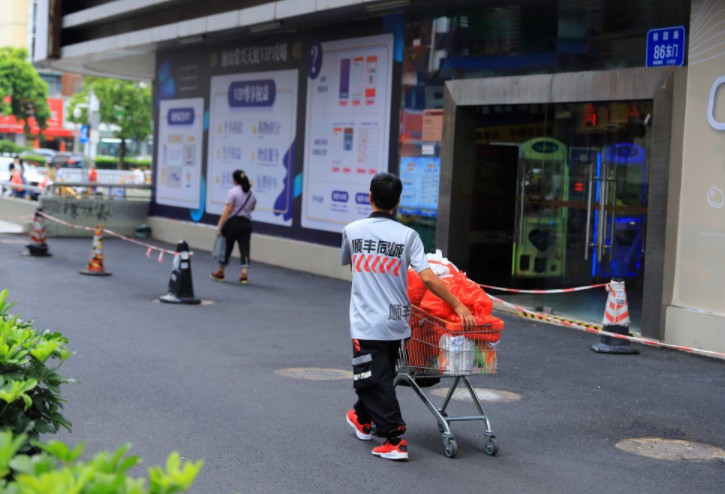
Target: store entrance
(560, 200)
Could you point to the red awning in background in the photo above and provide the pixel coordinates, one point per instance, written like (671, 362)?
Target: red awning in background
(8, 123)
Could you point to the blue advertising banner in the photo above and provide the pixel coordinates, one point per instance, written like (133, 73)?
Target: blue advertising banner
(665, 46)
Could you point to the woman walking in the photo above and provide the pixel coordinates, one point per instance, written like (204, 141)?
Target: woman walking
(235, 224)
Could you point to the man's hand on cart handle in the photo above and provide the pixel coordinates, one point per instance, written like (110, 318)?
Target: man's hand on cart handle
(435, 285)
(467, 318)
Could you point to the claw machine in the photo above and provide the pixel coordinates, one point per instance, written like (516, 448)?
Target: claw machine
(618, 226)
(541, 213)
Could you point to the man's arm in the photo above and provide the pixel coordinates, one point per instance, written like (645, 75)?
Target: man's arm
(435, 285)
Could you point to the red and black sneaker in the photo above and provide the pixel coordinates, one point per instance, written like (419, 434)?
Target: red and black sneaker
(362, 431)
(217, 275)
(392, 452)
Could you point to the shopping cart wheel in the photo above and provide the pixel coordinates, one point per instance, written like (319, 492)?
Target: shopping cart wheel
(491, 447)
(451, 448)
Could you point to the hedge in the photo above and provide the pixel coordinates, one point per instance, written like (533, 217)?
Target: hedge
(10, 147)
(111, 162)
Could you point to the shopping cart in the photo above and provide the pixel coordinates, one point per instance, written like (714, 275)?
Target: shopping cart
(440, 349)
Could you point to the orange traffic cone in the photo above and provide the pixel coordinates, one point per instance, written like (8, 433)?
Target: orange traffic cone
(615, 320)
(95, 262)
(37, 246)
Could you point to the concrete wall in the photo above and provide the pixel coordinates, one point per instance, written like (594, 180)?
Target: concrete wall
(18, 211)
(120, 216)
(292, 254)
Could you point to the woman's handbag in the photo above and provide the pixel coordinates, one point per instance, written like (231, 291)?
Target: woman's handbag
(223, 229)
(219, 252)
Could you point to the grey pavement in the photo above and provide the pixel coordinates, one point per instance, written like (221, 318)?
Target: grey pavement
(201, 380)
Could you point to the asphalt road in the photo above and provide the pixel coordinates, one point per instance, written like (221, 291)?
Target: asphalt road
(201, 380)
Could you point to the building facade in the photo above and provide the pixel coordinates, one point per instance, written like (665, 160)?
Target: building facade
(16, 30)
(542, 143)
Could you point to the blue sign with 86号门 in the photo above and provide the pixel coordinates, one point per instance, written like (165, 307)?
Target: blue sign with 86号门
(666, 46)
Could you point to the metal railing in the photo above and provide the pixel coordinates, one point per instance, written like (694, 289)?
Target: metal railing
(96, 190)
(9, 186)
(78, 190)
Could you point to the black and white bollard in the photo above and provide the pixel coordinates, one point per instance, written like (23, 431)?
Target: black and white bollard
(181, 287)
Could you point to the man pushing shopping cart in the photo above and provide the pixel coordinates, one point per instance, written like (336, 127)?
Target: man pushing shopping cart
(379, 251)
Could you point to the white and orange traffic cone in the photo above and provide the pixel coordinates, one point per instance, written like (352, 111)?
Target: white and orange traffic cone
(37, 246)
(95, 262)
(615, 320)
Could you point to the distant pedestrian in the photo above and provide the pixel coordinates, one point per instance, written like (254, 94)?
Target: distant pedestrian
(11, 172)
(138, 175)
(235, 224)
(92, 177)
(380, 311)
(17, 178)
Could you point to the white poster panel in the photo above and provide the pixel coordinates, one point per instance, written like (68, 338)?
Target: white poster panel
(348, 129)
(181, 127)
(252, 126)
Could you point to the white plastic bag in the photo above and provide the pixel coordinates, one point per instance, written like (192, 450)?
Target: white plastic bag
(219, 251)
(441, 266)
(457, 354)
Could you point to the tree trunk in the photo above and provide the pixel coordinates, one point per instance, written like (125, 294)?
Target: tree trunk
(122, 154)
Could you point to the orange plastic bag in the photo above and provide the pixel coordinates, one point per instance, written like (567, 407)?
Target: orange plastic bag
(467, 291)
(416, 288)
(437, 307)
(473, 297)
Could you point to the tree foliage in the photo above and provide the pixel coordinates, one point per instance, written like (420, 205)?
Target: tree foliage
(123, 104)
(23, 93)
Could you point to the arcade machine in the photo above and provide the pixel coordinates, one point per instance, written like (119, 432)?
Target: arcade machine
(541, 215)
(620, 218)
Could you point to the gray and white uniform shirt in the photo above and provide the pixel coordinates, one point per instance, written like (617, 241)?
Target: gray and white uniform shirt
(379, 251)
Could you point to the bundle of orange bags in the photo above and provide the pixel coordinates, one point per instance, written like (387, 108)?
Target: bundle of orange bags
(467, 291)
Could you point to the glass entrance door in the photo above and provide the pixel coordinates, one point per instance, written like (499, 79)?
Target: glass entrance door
(577, 209)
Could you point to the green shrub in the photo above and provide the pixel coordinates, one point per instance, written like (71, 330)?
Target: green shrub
(30, 401)
(11, 148)
(57, 469)
(35, 158)
(111, 162)
(106, 162)
(140, 162)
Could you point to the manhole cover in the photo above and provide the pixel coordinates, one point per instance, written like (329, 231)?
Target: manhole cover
(671, 449)
(483, 394)
(314, 374)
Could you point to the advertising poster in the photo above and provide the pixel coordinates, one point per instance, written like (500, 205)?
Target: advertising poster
(179, 153)
(252, 127)
(348, 128)
(421, 178)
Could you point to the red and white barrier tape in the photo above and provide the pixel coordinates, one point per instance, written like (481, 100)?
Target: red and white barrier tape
(543, 292)
(149, 247)
(636, 339)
